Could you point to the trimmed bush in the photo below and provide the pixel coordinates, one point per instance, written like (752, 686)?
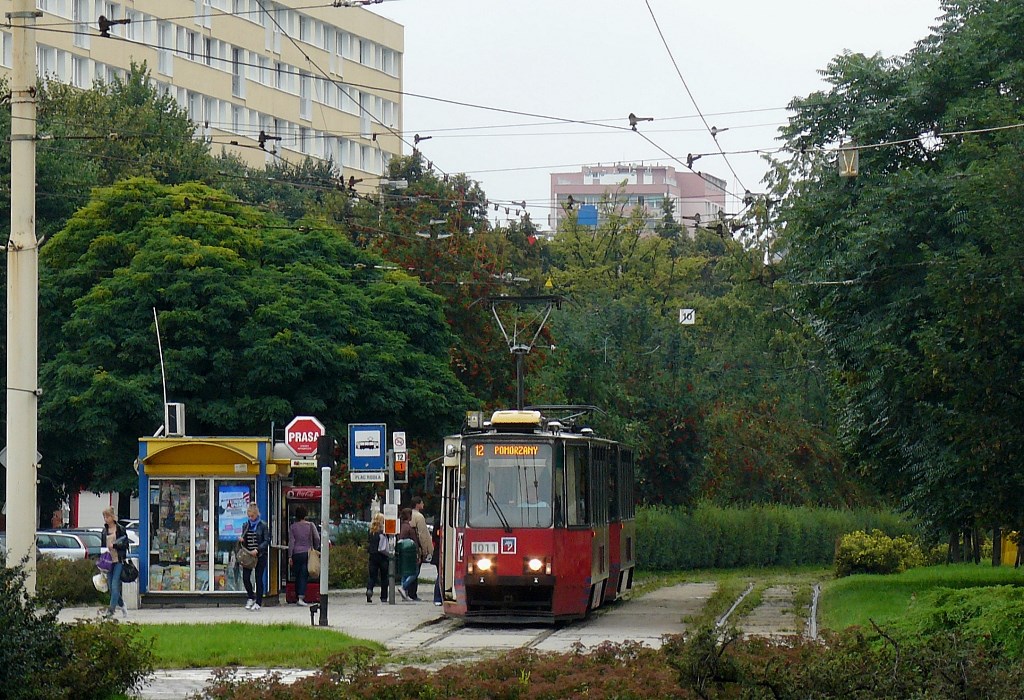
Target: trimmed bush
(709, 536)
(67, 582)
(348, 564)
(876, 553)
(105, 659)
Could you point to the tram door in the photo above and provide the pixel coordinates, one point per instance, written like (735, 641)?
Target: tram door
(451, 498)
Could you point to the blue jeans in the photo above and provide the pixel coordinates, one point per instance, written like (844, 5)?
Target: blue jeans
(114, 583)
(406, 582)
(300, 565)
(260, 572)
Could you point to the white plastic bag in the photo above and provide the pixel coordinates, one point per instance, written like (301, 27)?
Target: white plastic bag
(99, 581)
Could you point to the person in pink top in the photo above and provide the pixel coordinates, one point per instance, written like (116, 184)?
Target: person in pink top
(302, 537)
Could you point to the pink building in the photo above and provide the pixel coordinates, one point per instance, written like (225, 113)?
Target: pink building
(633, 185)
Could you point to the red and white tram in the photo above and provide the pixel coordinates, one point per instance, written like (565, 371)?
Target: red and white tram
(537, 517)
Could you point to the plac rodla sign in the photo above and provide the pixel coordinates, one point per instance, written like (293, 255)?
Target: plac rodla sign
(301, 434)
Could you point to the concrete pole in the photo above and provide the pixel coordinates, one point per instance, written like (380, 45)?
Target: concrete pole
(325, 541)
(22, 298)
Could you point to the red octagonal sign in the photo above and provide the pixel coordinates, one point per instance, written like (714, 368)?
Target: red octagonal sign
(301, 435)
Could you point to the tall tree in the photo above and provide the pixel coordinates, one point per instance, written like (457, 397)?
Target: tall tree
(260, 321)
(910, 272)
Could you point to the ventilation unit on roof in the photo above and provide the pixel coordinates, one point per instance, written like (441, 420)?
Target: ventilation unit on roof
(174, 419)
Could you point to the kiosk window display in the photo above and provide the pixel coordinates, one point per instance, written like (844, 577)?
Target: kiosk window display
(195, 526)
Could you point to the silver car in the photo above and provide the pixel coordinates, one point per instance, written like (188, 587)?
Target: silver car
(61, 545)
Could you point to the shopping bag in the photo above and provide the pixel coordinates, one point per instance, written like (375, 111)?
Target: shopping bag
(313, 565)
(105, 562)
(99, 582)
(246, 559)
(129, 572)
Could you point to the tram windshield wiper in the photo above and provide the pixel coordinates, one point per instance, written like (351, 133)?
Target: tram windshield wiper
(497, 509)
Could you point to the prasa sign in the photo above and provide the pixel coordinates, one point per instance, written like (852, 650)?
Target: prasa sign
(301, 435)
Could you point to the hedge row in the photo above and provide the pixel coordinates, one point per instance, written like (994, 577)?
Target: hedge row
(709, 536)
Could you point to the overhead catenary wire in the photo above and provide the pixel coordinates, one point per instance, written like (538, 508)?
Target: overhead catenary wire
(675, 65)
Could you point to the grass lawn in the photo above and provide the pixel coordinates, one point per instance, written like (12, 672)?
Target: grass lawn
(856, 600)
(241, 644)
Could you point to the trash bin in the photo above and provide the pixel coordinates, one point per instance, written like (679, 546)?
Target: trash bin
(130, 591)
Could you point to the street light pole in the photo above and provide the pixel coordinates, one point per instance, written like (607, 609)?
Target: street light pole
(22, 299)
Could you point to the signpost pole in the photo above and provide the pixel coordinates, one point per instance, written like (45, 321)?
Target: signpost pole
(325, 541)
(389, 496)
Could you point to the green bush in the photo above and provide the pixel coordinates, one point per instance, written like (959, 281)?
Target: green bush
(876, 553)
(348, 566)
(703, 664)
(106, 659)
(41, 659)
(710, 536)
(67, 582)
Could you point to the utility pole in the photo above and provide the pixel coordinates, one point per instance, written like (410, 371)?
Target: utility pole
(22, 299)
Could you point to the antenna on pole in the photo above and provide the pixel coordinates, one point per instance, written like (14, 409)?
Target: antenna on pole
(160, 349)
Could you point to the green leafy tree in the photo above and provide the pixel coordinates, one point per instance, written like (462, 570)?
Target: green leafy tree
(437, 229)
(260, 321)
(910, 272)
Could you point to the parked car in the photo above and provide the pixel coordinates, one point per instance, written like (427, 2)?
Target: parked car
(93, 539)
(61, 545)
(131, 526)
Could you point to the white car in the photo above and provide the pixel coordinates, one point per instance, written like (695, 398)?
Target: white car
(61, 545)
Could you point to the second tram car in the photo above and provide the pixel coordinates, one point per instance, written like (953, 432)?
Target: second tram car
(537, 517)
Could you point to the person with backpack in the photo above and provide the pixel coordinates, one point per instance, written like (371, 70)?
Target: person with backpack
(302, 537)
(255, 539)
(377, 549)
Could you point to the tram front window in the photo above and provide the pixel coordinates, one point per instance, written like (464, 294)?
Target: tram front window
(510, 485)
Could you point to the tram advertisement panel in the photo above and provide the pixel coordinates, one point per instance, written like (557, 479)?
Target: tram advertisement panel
(510, 484)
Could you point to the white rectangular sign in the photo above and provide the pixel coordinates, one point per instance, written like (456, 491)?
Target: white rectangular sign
(687, 317)
(484, 548)
(366, 476)
(298, 463)
(398, 440)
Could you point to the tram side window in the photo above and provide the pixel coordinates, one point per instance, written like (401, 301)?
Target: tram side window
(577, 487)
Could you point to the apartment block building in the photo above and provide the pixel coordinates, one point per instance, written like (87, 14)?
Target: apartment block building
(317, 80)
(628, 186)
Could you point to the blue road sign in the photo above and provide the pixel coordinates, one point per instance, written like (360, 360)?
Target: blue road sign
(367, 447)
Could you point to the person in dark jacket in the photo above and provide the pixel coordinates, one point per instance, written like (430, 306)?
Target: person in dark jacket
(377, 567)
(255, 538)
(115, 538)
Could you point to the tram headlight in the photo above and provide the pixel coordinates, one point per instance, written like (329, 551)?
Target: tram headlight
(536, 565)
(483, 565)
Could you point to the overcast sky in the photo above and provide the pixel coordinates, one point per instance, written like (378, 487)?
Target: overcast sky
(598, 60)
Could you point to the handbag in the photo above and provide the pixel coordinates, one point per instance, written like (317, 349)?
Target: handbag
(313, 564)
(105, 562)
(129, 572)
(246, 559)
